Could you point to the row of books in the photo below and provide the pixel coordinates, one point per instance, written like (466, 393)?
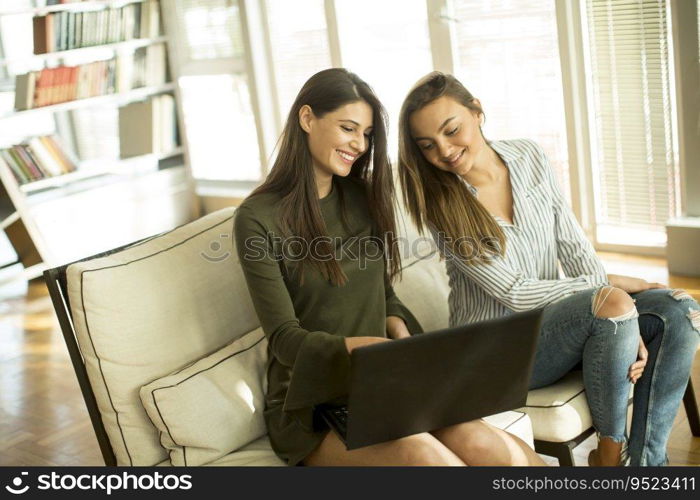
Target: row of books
(37, 158)
(71, 30)
(148, 127)
(146, 66)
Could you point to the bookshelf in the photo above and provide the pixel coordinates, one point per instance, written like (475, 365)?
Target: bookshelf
(75, 6)
(55, 216)
(116, 99)
(115, 46)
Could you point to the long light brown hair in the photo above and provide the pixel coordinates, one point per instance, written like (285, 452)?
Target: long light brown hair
(438, 198)
(292, 175)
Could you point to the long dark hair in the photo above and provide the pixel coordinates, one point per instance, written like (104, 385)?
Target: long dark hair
(433, 196)
(292, 175)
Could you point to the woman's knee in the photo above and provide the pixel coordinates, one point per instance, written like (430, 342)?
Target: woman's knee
(479, 443)
(611, 302)
(680, 308)
(687, 306)
(424, 450)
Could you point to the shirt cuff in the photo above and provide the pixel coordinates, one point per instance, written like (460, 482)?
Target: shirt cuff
(595, 280)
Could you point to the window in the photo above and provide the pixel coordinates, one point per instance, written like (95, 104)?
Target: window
(507, 56)
(299, 40)
(223, 143)
(212, 29)
(216, 103)
(636, 174)
(248, 60)
(389, 49)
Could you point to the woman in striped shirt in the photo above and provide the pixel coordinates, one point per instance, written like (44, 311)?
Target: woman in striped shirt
(500, 220)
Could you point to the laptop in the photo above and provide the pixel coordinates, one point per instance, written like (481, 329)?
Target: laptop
(433, 380)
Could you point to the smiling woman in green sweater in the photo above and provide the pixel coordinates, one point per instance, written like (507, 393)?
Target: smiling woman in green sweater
(315, 242)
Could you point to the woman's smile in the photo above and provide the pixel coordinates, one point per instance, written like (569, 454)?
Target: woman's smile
(348, 158)
(454, 160)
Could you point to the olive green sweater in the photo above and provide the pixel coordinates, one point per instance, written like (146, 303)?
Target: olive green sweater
(305, 324)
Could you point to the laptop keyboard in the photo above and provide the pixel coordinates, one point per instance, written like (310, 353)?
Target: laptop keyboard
(341, 414)
(337, 418)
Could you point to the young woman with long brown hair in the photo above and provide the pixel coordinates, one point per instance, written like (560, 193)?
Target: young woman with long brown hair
(499, 218)
(331, 189)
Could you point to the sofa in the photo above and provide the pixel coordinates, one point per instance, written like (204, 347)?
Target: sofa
(170, 358)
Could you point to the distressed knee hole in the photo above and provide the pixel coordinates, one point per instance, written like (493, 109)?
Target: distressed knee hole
(680, 294)
(694, 317)
(613, 304)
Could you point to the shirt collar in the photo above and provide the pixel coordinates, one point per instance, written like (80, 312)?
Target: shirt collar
(505, 151)
(509, 155)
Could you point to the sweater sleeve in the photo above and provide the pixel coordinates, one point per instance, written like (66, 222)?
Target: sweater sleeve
(319, 361)
(394, 307)
(575, 253)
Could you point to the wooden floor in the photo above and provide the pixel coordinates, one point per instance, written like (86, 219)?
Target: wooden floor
(43, 420)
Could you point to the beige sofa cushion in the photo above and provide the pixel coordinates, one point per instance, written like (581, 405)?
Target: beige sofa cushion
(559, 412)
(259, 452)
(424, 289)
(214, 406)
(146, 311)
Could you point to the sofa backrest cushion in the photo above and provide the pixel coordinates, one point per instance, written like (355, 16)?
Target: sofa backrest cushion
(143, 312)
(213, 406)
(424, 289)
(424, 286)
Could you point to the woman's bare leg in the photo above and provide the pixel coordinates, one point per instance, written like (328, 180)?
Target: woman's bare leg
(419, 449)
(480, 443)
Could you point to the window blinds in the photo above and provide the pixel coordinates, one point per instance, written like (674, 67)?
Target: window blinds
(210, 28)
(299, 40)
(389, 49)
(507, 55)
(635, 168)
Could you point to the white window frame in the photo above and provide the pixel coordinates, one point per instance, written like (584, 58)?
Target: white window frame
(684, 28)
(576, 112)
(442, 35)
(578, 101)
(333, 34)
(572, 37)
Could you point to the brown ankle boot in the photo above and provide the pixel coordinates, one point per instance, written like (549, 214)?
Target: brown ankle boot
(594, 455)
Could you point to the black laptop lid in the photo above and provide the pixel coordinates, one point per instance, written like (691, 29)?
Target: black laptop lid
(437, 379)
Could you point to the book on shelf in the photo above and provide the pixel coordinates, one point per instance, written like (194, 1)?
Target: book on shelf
(145, 67)
(148, 127)
(69, 30)
(37, 158)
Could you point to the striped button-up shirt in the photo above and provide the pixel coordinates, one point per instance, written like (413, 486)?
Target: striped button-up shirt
(544, 234)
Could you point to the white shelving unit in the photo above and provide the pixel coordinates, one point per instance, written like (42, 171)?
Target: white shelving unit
(77, 7)
(128, 45)
(104, 203)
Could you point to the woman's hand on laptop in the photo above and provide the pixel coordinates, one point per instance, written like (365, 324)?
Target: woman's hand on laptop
(396, 328)
(355, 342)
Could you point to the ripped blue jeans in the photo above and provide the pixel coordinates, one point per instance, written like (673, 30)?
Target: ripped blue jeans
(669, 324)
